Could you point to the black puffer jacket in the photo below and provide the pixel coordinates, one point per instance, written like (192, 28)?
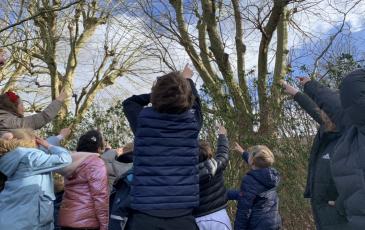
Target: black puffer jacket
(348, 161)
(213, 195)
(320, 184)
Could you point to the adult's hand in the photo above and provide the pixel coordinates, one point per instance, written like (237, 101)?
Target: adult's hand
(187, 73)
(63, 95)
(303, 80)
(288, 88)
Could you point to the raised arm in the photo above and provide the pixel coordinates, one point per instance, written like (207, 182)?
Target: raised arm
(38, 120)
(98, 185)
(187, 73)
(41, 162)
(327, 99)
(132, 106)
(304, 101)
(221, 156)
(238, 148)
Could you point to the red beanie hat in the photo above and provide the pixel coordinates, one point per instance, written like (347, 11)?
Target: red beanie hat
(12, 97)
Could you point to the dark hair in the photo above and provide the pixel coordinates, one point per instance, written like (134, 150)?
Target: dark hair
(205, 151)
(172, 94)
(92, 141)
(7, 105)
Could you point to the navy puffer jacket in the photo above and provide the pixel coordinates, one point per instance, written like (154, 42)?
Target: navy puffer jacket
(166, 157)
(258, 201)
(166, 174)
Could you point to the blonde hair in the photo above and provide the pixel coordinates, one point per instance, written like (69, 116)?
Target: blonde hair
(262, 157)
(22, 138)
(129, 147)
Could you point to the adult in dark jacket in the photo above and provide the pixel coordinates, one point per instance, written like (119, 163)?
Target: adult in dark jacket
(211, 213)
(320, 186)
(258, 201)
(348, 162)
(165, 187)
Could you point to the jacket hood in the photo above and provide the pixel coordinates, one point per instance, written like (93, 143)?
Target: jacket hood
(77, 159)
(9, 145)
(352, 92)
(268, 177)
(10, 162)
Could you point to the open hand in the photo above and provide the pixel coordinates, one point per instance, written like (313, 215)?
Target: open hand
(63, 95)
(288, 88)
(238, 148)
(303, 80)
(187, 73)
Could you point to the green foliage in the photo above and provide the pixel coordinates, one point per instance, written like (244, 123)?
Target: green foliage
(338, 67)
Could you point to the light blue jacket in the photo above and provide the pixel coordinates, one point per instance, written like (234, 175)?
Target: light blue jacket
(27, 199)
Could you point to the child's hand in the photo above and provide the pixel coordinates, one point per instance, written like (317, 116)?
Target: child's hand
(187, 73)
(65, 132)
(63, 95)
(303, 80)
(238, 148)
(222, 130)
(42, 142)
(288, 88)
(119, 151)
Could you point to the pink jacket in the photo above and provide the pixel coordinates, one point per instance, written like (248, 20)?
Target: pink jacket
(85, 202)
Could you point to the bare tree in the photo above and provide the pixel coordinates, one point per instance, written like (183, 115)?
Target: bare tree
(45, 28)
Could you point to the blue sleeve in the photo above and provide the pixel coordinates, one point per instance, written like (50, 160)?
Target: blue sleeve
(245, 156)
(197, 104)
(132, 106)
(233, 194)
(53, 140)
(41, 162)
(245, 203)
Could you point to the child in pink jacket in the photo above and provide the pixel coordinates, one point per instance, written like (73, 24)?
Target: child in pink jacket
(85, 203)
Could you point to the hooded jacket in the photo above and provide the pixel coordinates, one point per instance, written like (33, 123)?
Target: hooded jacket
(114, 168)
(258, 201)
(320, 185)
(9, 120)
(27, 199)
(348, 162)
(85, 201)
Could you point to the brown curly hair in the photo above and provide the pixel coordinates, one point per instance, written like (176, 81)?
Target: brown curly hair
(205, 151)
(172, 94)
(7, 105)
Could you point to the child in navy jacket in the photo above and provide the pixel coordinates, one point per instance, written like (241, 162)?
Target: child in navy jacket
(258, 202)
(165, 186)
